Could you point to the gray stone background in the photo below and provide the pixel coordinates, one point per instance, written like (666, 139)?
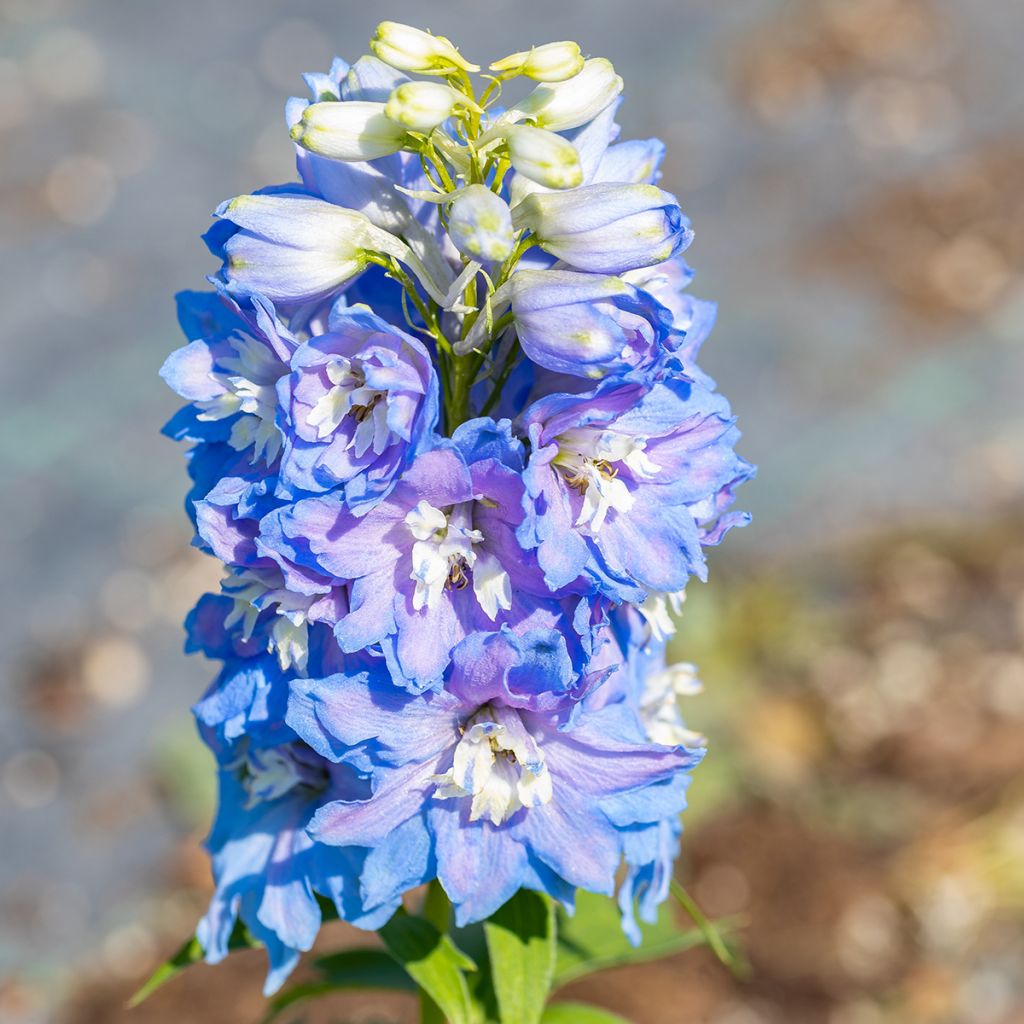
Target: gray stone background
(853, 169)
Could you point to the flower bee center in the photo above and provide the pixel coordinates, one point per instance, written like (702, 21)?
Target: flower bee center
(361, 412)
(498, 763)
(448, 556)
(349, 397)
(590, 462)
(458, 571)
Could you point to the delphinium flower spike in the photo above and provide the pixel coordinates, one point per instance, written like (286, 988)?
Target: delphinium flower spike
(450, 439)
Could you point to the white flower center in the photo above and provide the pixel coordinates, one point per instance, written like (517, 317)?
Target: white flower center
(253, 592)
(589, 461)
(350, 396)
(250, 390)
(498, 763)
(445, 556)
(659, 706)
(658, 610)
(272, 772)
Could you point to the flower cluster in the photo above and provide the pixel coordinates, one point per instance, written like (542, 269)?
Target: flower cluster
(449, 437)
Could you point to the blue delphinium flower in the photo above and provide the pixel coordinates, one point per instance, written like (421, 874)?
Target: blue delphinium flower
(587, 324)
(640, 696)
(627, 482)
(268, 870)
(452, 443)
(360, 402)
(229, 371)
(435, 560)
(492, 782)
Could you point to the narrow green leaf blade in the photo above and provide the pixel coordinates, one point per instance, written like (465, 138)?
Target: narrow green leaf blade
(433, 961)
(718, 942)
(191, 952)
(348, 969)
(521, 943)
(580, 1013)
(592, 939)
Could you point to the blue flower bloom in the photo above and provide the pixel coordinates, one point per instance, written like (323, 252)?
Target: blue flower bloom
(360, 403)
(432, 562)
(625, 484)
(228, 372)
(497, 782)
(267, 869)
(640, 697)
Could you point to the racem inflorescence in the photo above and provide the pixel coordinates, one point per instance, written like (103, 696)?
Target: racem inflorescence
(449, 437)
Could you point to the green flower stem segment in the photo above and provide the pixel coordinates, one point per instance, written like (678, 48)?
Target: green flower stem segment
(437, 909)
(712, 936)
(503, 375)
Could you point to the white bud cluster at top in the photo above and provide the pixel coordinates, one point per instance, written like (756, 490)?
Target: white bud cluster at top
(443, 116)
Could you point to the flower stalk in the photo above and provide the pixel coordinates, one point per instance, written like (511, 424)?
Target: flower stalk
(452, 443)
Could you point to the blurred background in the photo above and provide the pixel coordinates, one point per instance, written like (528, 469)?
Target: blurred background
(854, 172)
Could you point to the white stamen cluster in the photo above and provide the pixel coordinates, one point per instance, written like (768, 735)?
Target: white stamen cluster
(272, 772)
(445, 555)
(497, 763)
(658, 611)
(659, 705)
(589, 459)
(250, 389)
(350, 396)
(253, 591)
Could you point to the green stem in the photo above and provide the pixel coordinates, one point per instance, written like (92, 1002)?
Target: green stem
(463, 382)
(447, 185)
(437, 909)
(712, 936)
(525, 243)
(503, 375)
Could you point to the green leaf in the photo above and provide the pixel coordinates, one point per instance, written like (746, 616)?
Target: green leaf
(521, 943)
(592, 939)
(580, 1013)
(433, 961)
(727, 954)
(349, 969)
(190, 953)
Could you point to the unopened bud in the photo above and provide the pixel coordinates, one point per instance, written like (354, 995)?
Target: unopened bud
(560, 106)
(480, 225)
(552, 62)
(422, 106)
(412, 49)
(606, 228)
(357, 130)
(544, 157)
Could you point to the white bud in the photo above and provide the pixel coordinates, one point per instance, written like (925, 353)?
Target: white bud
(560, 106)
(552, 62)
(544, 157)
(480, 224)
(356, 130)
(422, 106)
(412, 49)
